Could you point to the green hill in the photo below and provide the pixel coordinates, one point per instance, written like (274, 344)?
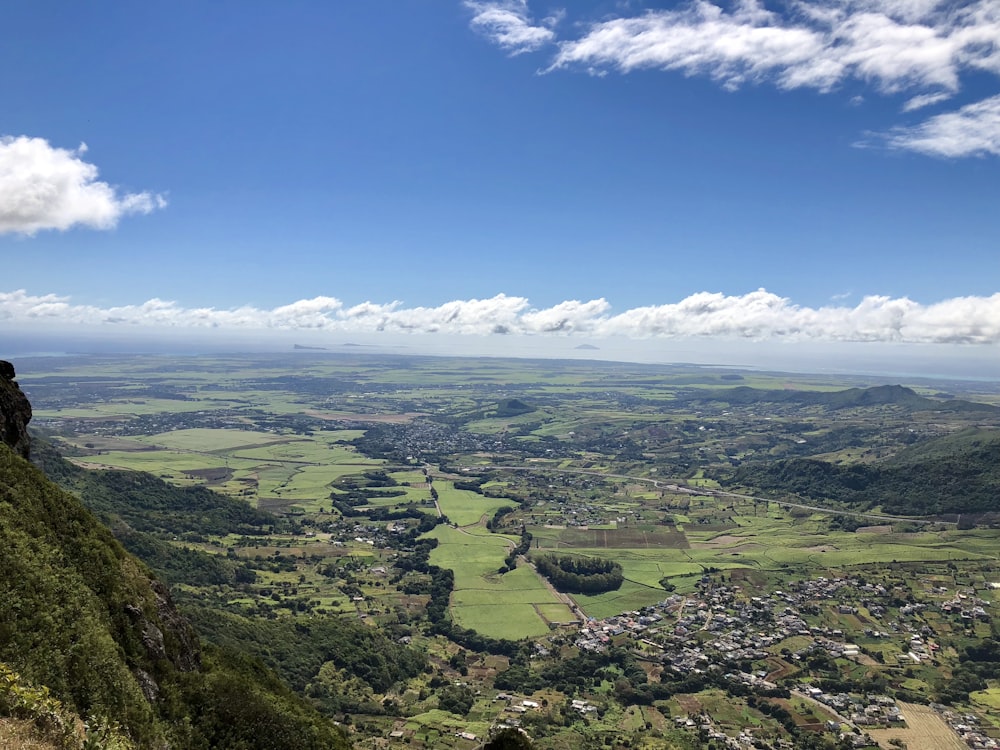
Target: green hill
(883, 395)
(957, 473)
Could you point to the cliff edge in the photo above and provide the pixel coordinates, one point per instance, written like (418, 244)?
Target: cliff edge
(15, 412)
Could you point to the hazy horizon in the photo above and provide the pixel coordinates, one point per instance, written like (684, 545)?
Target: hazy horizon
(899, 361)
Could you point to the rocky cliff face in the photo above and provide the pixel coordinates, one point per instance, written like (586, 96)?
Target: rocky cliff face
(15, 412)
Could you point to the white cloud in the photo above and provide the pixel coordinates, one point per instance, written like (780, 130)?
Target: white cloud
(920, 47)
(973, 130)
(43, 187)
(924, 100)
(755, 316)
(508, 25)
(895, 45)
(748, 44)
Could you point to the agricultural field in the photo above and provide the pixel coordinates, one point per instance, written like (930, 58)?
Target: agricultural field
(466, 508)
(375, 473)
(925, 730)
(513, 605)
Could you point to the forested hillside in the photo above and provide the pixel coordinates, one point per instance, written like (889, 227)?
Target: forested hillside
(87, 634)
(954, 474)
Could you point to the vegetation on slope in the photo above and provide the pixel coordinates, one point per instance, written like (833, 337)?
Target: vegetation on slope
(146, 503)
(84, 619)
(882, 395)
(954, 474)
(339, 664)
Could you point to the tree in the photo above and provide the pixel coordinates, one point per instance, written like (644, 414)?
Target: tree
(509, 739)
(456, 699)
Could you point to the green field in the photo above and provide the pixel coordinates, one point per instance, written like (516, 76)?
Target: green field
(501, 606)
(465, 507)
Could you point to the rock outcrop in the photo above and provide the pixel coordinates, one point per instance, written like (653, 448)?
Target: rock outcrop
(15, 412)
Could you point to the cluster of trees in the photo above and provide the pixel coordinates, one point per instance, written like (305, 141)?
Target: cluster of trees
(377, 514)
(148, 504)
(978, 663)
(192, 567)
(580, 575)
(298, 650)
(522, 548)
(457, 699)
(569, 676)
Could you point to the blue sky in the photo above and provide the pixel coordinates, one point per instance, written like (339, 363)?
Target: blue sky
(584, 170)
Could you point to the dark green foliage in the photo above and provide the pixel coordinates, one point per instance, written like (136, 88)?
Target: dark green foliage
(509, 739)
(297, 649)
(148, 504)
(808, 478)
(175, 564)
(65, 587)
(457, 699)
(978, 663)
(240, 705)
(512, 407)
(954, 474)
(580, 575)
(567, 675)
(81, 616)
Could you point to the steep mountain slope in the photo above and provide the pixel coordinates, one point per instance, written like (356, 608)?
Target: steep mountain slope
(87, 633)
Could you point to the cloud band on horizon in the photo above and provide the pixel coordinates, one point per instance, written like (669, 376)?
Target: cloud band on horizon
(757, 316)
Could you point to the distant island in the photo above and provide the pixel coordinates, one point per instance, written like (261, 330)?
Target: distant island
(589, 347)
(300, 347)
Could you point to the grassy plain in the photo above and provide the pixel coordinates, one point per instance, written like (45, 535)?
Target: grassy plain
(501, 606)
(464, 507)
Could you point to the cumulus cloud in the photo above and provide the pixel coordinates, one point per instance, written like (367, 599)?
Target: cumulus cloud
(755, 316)
(508, 24)
(973, 130)
(918, 47)
(44, 187)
